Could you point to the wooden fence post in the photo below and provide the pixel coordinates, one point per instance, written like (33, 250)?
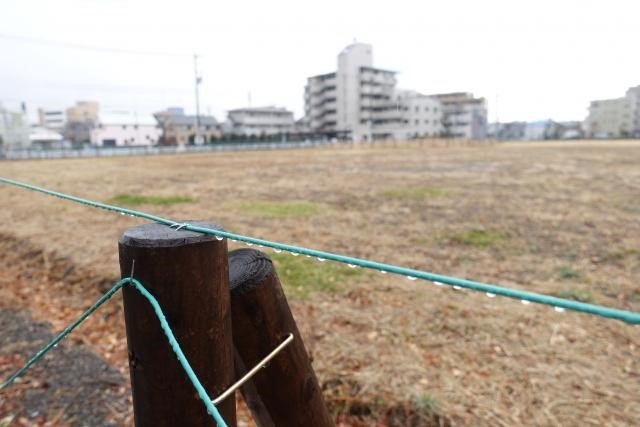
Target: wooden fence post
(286, 393)
(188, 274)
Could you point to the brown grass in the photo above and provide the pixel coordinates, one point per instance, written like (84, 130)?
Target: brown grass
(560, 218)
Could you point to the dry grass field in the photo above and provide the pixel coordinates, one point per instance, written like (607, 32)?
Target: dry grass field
(561, 218)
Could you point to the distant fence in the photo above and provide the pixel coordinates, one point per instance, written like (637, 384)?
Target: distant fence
(65, 153)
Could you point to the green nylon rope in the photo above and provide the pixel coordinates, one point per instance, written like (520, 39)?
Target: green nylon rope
(211, 409)
(612, 313)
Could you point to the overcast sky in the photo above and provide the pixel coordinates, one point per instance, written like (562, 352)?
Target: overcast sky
(538, 59)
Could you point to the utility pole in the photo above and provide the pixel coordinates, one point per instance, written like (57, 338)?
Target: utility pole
(198, 80)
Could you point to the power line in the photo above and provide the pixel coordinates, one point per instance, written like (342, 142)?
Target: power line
(68, 45)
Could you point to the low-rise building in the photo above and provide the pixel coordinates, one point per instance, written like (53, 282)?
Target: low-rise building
(51, 119)
(126, 130)
(179, 128)
(260, 121)
(14, 129)
(508, 131)
(43, 138)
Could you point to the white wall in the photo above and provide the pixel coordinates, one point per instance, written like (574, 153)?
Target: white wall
(125, 135)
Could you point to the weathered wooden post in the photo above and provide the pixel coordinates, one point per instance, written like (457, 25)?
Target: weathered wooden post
(286, 393)
(188, 274)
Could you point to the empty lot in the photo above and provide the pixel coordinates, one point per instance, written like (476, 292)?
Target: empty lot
(557, 218)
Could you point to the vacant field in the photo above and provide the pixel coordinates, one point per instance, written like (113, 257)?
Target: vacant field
(557, 218)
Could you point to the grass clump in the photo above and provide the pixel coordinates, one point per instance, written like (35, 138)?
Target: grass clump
(567, 273)
(126, 199)
(302, 276)
(480, 238)
(416, 192)
(299, 209)
(582, 295)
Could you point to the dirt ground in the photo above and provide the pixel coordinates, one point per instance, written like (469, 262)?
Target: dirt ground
(556, 217)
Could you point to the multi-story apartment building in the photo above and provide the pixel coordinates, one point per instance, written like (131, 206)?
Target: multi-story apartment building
(320, 96)
(258, 121)
(51, 119)
(356, 100)
(615, 118)
(82, 118)
(421, 115)
(83, 111)
(463, 115)
(633, 95)
(610, 118)
(362, 102)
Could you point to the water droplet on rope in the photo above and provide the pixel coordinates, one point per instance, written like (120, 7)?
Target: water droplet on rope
(559, 309)
(294, 253)
(219, 238)
(233, 240)
(248, 243)
(412, 278)
(457, 288)
(276, 250)
(525, 302)
(383, 272)
(490, 295)
(352, 265)
(438, 283)
(321, 259)
(122, 213)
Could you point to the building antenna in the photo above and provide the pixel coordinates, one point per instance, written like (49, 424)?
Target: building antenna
(198, 80)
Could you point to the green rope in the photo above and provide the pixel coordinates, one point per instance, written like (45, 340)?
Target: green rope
(560, 303)
(211, 409)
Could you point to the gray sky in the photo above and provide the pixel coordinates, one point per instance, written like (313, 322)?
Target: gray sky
(540, 59)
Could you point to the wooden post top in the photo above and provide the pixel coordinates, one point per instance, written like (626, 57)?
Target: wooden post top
(162, 236)
(248, 268)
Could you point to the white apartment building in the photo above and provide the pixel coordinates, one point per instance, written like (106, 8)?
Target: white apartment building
(260, 121)
(51, 119)
(615, 118)
(463, 115)
(124, 130)
(633, 95)
(356, 100)
(361, 101)
(320, 101)
(421, 115)
(14, 129)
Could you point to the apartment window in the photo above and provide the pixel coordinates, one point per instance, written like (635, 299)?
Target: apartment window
(417, 108)
(124, 126)
(417, 121)
(426, 122)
